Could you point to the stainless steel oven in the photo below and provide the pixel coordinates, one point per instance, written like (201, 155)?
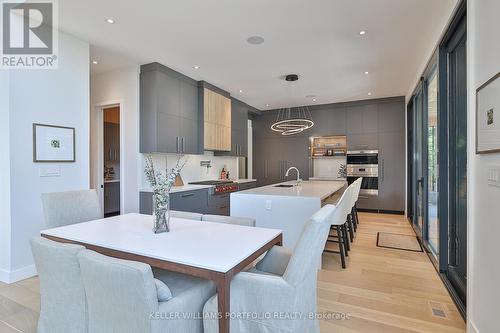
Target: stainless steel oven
(363, 164)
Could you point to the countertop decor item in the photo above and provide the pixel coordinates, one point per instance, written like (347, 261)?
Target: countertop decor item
(488, 116)
(290, 120)
(343, 171)
(53, 143)
(161, 182)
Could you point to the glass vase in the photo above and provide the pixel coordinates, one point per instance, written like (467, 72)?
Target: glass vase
(161, 212)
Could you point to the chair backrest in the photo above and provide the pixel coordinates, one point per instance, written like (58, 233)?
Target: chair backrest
(185, 215)
(344, 206)
(245, 221)
(63, 305)
(64, 208)
(357, 187)
(121, 294)
(307, 253)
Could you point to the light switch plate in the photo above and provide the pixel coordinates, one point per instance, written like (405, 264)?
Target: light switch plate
(50, 171)
(494, 177)
(268, 205)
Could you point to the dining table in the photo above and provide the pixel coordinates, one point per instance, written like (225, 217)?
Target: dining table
(214, 251)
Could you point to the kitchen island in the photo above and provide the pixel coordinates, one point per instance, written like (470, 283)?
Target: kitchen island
(285, 206)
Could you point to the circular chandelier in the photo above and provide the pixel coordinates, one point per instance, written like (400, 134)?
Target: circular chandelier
(292, 120)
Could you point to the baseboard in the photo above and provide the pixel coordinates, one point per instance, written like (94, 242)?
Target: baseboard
(472, 328)
(18, 274)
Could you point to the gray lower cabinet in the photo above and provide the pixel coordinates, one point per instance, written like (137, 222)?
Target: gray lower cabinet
(219, 204)
(246, 186)
(368, 202)
(391, 171)
(169, 119)
(188, 201)
(111, 197)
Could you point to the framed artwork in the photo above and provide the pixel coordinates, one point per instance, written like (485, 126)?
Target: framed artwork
(488, 117)
(53, 143)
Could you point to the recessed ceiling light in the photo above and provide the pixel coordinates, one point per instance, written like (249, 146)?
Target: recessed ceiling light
(196, 67)
(255, 40)
(362, 32)
(369, 94)
(110, 20)
(241, 90)
(95, 62)
(366, 73)
(267, 105)
(314, 99)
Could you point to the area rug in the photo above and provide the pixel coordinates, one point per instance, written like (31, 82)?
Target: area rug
(398, 242)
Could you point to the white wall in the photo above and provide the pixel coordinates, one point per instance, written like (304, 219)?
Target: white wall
(57, 97)
(484, 227)
(4, 177)
(121, 85)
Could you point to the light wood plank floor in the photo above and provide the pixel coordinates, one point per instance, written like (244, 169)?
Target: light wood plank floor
(382, 290)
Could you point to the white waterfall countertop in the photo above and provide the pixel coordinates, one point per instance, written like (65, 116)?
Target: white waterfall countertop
(320, 189)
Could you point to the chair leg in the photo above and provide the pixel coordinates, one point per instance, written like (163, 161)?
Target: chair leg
(342, 251)
(354, 222)
(356, 213)
(350, 227)
(346, 239)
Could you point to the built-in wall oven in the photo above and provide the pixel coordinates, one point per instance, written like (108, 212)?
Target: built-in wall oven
(363, 163)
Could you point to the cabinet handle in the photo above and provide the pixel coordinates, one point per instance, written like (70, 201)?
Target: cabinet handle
(265, 168)
(223, 207)
(182, 144)
(109, 153)
(187, 195)
(383, 170)
(177, 144)
(115, 155)
(362, 197)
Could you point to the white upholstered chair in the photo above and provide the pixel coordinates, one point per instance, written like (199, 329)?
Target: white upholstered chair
(63, 306)
(124, 297)
(185, 215)
(283, 282)
(64, 208)
(245, 221)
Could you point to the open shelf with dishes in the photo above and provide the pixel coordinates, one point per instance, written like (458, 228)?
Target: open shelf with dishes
(328, 146)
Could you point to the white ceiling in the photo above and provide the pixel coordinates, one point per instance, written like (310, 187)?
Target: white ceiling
(317, 39)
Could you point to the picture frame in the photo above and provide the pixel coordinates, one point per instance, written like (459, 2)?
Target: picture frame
(488, 116)
(53, 143)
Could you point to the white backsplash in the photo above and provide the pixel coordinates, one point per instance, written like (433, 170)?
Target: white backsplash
(192, 171)
(328, 167)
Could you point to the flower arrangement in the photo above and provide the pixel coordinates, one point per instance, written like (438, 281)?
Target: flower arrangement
(161, 182)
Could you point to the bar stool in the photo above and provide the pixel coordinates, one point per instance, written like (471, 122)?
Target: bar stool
(338, 224)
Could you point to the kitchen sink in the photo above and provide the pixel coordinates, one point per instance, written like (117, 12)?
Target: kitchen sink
(284, 185)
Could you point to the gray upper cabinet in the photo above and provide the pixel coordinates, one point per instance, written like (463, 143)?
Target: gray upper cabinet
(391, 117)
(169, 111)
(239, 130)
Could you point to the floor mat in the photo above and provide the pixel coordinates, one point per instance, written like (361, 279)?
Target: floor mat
(398, 242)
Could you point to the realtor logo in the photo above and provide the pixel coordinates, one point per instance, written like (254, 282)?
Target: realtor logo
(29, 34)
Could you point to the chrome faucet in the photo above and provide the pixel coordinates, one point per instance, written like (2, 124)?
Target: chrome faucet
(298, 174)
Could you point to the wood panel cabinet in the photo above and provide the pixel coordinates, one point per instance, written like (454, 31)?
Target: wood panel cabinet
(168, 111)
(111, 142)
(216, 121)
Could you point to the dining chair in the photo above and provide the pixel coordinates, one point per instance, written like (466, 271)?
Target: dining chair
(283, 282)
(64, 208)
(244, 221)
(357, 189)
(124, 296)
(63, 306)
(185, 215)
(339, 225)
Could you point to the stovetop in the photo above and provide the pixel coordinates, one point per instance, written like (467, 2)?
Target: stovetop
(212, 182)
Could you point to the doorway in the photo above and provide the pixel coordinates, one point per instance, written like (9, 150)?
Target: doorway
(111, 184)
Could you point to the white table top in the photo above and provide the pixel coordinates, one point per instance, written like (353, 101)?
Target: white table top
(214, 246)
(321, 189)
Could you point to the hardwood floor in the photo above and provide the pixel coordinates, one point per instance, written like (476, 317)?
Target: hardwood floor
(382, 290)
